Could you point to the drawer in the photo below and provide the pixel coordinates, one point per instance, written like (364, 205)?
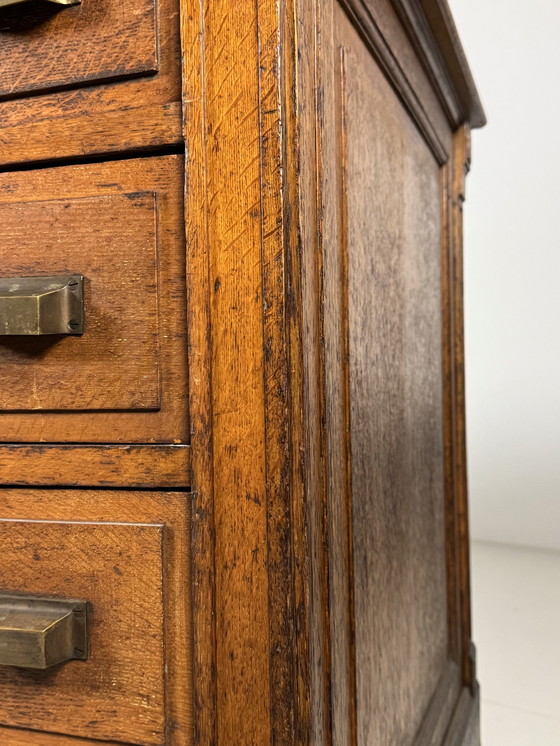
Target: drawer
(120, 226)
(123, 56)
(127, 555)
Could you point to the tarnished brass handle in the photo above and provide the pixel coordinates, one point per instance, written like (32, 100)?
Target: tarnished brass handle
(38, 632)
(4, 3)
(31, 306)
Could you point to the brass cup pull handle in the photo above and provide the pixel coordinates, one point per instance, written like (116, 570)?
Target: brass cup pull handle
(31, 306)
(38, 632)
(5, 3)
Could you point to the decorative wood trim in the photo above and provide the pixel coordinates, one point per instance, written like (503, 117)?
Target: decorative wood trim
(460, 168)
(433, 35)
(360, 14)
(422, 39)
(41, 465)
(445, 36)
(243, 421)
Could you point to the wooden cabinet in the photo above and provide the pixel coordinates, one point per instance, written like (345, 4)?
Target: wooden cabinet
(251, 464)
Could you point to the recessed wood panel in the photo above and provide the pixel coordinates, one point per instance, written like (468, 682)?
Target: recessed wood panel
(391, 217)
(112, 241)
(119, 692)
(126, 553)
(48, 46)
(120, 225)
(99, 77)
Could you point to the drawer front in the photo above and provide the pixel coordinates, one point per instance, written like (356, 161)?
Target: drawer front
(119, 225)
(47, 46)
(122, 55)
(127, 555)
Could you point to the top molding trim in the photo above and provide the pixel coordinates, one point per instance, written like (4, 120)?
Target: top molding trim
(432, 31)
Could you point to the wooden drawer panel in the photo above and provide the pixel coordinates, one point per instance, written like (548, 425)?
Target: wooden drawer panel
(47, 46)
(126, 553)
(124, 55)
(118, 224)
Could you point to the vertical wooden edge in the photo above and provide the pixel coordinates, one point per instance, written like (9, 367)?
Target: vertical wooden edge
(203, 638)
(460, 167)
(449, 399)
(309, 432)
(351, 704)
(225, 524)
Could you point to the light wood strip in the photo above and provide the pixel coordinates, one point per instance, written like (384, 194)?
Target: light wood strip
(163, 466)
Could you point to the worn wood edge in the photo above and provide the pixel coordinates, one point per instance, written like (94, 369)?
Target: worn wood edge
(305, 261)
(464, 729)
(133, 466)
(203, 536)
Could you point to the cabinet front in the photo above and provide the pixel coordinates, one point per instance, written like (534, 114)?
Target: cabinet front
(122, 377)
(122, 559)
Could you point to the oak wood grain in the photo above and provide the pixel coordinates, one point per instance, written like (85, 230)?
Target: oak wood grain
(135, 339)
(119, 691)
(112, 241)
(48, 47)
(128, 553)
(114, 466)
(295, 285)
(131, 114)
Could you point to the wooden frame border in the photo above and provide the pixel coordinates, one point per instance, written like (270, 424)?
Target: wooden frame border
(260, 531)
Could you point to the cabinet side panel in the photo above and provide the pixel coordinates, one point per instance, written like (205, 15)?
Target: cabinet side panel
(393, 235)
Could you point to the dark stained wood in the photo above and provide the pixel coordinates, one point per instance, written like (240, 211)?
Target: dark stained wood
(128, 553)
(392, 200)
(96, 466)
(100, 220)
(295, 284)
(461, 165)
(79, 46)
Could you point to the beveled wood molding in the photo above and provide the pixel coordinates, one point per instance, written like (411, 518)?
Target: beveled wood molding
(431, 30)
(358, 11)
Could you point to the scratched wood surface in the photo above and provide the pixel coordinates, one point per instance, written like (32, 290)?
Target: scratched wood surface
(45, 46)
(128, 554)
(119, 258)
(133, 352)
(308, 146)
(164, 466)
(279, 305)
(134, 44)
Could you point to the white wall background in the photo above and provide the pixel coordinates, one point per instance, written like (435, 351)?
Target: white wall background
(512, 265)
